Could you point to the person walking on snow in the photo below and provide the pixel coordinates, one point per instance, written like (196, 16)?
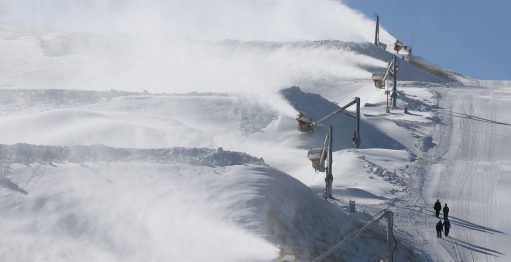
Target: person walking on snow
(437, 208)
(446, 212)
(439, 228)
(447, 226)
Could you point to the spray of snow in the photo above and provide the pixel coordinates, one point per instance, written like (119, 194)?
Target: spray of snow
(178, 46)
(126, 212)
(280, 20)
(160, 46)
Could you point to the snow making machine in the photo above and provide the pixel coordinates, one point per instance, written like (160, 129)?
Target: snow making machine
(317, 156)
(379, 81)
(398, 45)
(304, 123)
(321, 159)
(379, 78)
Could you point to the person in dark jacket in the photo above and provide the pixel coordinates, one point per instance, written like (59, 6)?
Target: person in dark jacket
(437, 208)
(439, 228)
(447, 227)
(446, 212)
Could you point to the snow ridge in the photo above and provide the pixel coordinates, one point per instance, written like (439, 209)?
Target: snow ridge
(27, 153)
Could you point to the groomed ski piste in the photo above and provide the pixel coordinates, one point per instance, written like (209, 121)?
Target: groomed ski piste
(145, 147)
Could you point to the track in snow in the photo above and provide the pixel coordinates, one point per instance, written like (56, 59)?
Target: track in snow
(473, 174)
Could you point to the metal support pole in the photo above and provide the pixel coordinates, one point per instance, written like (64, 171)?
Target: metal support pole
(357, 142)
(394, 88)
(387, 108)
(390, 235)
(377, 32)
(330, 138)
(329, 176)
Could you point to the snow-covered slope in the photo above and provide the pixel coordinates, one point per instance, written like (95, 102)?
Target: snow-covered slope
(99, 203)
(122, 146)
(129, 212)
(249, 107)
(472, 174)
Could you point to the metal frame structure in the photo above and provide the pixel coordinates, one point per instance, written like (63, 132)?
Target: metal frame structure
(305, 124)
(377, 34)
(388, 215)
(319, 156)
(398, 45)
(377, 31)
(380, 79)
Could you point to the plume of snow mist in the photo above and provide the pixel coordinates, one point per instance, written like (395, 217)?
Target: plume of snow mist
(174, 65)
(270, 20)
(127, 212)
(179, 46)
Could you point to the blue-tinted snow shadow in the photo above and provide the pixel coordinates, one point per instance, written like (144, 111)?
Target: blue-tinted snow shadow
(412, 114)
(355, 193)
(461, 223)
(470, 225)
(316, 107)
(349, 193)
(471, 117)
(455, 221)
(5, 182)
(475, 248)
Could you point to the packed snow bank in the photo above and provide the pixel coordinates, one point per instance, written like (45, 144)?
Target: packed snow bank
(86, 127)
(126, 120)
(126, 212)
(25, 153)
(73, 212)
(368, 176)
(17, 101)
(302, 222)
(129, 120)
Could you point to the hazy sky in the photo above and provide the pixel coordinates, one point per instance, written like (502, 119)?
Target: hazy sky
(467, 36)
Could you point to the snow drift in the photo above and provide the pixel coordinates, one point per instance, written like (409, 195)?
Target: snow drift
(121, 209)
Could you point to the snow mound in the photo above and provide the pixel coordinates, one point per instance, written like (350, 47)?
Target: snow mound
(125, 212)
(294, 217)
(124, 119)
(243, 213)
(36, 100)
(25, 153)
(85, 126)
